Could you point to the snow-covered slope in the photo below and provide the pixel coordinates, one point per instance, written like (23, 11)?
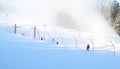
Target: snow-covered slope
(71, 38)
(17, 52)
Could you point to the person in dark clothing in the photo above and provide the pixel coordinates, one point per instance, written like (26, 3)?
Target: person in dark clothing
(88, 47)
(41, 38)
(53, 40)
(57, 42)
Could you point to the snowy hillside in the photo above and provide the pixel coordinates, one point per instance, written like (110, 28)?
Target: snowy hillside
(69, 38)
(18, 52)
(57, 34)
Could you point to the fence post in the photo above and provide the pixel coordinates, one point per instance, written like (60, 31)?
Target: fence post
(34, 31)
(75, 41)
(6, 20)
(113, 46)
(44, 31)
(34, 28)
(15, 28)
(38, 33)
(61, 38)
(92, 43)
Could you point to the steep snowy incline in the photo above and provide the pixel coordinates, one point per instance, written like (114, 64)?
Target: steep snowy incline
(20, 53)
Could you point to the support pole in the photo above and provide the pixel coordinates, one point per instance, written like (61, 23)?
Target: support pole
(34, 28)
(34, 31)
(6, 20)
(61, 38)
(75, 42)
(92, 44)
(113, 47)
(15, 28)
(44, 31)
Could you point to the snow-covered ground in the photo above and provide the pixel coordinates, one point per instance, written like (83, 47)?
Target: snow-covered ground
(70, 38)
(57, 47)
(18, 52)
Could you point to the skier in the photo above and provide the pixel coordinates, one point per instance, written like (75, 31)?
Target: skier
(88, 47)
(41, 38)
(53, 40)
(57, 42)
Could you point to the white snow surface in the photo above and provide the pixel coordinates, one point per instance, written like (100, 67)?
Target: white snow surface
(24, 52)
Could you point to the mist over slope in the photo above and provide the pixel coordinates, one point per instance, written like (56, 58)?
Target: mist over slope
(81, 15)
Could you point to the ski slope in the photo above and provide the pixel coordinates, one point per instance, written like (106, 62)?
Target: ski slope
(17, 52)
(70, 38)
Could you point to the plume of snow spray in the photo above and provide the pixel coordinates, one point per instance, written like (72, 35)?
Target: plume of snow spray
(82, 15)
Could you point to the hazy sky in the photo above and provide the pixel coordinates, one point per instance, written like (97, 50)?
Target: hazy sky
(46, 11)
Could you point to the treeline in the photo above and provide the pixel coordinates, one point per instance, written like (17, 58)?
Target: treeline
(111, 12)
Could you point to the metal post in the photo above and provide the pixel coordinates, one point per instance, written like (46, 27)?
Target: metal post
(6, 20)
(34, 31)
(113, 46)
(44, 31)
(75, 41)
(92, 43)
(61, 38)
(15, 28)
(38, 34)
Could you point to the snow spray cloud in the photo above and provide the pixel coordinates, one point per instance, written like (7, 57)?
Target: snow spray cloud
(86, 16)
(35, 12)
(45, 11)
(82, 15)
